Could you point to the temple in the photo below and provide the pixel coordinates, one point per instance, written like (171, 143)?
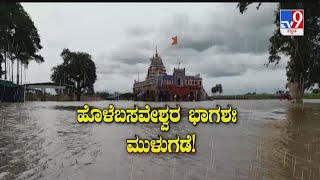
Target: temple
(159, 86)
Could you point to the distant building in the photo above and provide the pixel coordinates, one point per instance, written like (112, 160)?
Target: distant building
(159, 86)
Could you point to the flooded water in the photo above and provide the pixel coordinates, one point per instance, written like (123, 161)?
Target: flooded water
(272, 140)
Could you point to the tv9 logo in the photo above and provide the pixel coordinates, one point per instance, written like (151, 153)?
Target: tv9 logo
(292, 22)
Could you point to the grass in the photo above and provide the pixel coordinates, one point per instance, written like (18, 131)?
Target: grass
(312, 96)
(260, 96)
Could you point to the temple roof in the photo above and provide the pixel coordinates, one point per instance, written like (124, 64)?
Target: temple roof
(192, 78)
(166, 76)
(157, 69)
(156, 66)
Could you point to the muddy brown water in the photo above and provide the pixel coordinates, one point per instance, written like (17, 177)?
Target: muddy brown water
(272, 140)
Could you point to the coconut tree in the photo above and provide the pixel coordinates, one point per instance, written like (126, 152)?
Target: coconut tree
(303, 69)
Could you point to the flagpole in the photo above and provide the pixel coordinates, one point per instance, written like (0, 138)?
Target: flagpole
(182, 45)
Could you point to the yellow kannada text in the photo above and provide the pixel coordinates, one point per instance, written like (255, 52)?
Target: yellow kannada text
(162, 145)
(135, 115)
(222, 115)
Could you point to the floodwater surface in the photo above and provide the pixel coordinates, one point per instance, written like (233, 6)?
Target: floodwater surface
(272, 140)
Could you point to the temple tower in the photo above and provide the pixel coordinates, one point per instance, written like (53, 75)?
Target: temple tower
(156, 66)
(179, 77)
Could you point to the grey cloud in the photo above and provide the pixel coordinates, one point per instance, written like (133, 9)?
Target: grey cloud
(122, 69)
(261, 82)
(210, 65)
(131, 57)
(247, 32)
(55, 45)
(210, 62)
(140, 30)
(244, 36)
(129, 70)
(233, 65)
(107, 69)
(133, 52)
(200, 44)
(215, 40)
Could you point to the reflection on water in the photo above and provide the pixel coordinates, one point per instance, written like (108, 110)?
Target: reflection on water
(272, 140)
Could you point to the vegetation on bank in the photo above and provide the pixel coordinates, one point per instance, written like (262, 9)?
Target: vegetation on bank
(312, 96)
(260, 96)
(98, 96)
(115, 96)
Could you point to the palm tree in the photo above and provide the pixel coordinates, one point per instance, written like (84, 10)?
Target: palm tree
(19, 38)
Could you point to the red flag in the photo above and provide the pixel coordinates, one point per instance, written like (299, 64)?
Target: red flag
(175, 40)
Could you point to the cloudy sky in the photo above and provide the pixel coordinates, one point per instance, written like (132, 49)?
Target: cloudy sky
(215, 40)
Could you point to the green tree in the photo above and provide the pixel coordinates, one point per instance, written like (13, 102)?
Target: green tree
(103, 95)
(127, 96)
(59, 77)
(315, 91)
(19, 38)
(216, 89)
(304, 65)
(220, 90)
(77, 69)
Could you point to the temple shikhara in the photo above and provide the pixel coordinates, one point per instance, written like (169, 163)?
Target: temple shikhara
(159, 86)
